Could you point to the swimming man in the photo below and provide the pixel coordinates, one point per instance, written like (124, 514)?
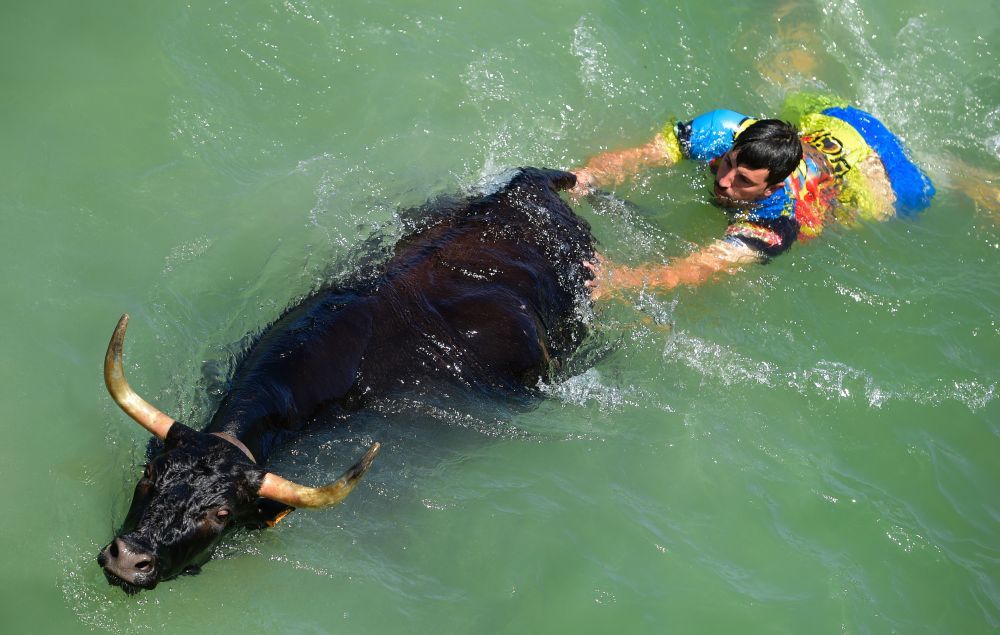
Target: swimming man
(777, 183)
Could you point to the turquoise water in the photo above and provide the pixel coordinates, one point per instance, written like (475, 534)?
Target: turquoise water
(809, 446)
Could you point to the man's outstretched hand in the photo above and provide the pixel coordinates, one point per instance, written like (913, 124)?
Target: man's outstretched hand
(596, 268)
(585, 182)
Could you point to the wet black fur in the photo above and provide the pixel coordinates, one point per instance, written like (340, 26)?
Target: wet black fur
(483, 294)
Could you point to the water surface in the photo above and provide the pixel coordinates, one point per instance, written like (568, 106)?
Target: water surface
(809, 446)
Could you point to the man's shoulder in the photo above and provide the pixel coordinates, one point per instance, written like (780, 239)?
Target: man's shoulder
(711, 134)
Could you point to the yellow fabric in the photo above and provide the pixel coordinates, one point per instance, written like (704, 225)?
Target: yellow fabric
(845, 150)
(749, 121)
(856, 199)
(798, 105)
(673, 144)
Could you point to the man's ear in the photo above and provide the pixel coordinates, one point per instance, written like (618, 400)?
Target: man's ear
(771, 189)
(269, 513)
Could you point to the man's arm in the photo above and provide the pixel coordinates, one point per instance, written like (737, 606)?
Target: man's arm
(614, 166)
(704, 138)
(720, 256)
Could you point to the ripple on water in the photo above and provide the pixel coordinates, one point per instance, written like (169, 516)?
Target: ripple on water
(825, 378)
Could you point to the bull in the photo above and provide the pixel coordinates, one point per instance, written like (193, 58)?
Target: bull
(483, 293)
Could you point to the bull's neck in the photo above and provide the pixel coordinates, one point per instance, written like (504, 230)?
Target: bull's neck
(256, 423)
(239, 444)
(308, 360)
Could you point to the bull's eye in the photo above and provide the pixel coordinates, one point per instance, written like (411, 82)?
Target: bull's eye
(222, 514)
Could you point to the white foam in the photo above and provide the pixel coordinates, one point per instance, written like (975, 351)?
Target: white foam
(827, 379)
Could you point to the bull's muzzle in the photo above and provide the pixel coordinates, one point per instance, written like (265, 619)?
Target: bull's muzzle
(128, 566)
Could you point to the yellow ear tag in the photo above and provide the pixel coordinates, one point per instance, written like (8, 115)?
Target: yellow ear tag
(277, 519)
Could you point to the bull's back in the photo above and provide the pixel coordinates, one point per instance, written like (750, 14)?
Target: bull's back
(484, 295)
(499, 280)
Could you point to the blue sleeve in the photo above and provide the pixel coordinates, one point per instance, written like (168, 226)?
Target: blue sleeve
(710, 135)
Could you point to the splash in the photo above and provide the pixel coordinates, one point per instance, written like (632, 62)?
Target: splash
(590, 388)
(592, 54)
(484, 77)
(912, 82)
(830, 380)
(186, 253)
(597, 73)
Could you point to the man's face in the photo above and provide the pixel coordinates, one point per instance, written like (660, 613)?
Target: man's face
(739, 184)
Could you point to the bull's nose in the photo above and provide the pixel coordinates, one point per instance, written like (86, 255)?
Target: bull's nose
(128, 562)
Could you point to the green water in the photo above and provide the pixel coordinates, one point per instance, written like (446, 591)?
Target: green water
(805, 447)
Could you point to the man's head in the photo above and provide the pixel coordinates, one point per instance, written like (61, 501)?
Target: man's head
(758, 163)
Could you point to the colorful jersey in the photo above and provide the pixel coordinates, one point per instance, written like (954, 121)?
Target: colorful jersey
(833, 180)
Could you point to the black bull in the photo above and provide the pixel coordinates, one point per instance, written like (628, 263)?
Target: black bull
(484, 294)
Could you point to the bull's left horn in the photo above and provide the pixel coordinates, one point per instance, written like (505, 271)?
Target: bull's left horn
(292, 494)
(114, 377)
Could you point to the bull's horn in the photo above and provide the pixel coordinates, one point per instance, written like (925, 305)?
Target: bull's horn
(292, 494)
(114, 377)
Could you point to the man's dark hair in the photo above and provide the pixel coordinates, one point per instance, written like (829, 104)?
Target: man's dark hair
(771, 144)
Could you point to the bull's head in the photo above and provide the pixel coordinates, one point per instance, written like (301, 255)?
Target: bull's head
(200, 487)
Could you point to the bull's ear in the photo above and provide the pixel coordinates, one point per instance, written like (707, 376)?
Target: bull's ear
(178, 435)
(269, 513)
(558, 179)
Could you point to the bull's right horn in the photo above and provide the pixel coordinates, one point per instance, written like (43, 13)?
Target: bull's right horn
(292, 494)
(114, 377)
